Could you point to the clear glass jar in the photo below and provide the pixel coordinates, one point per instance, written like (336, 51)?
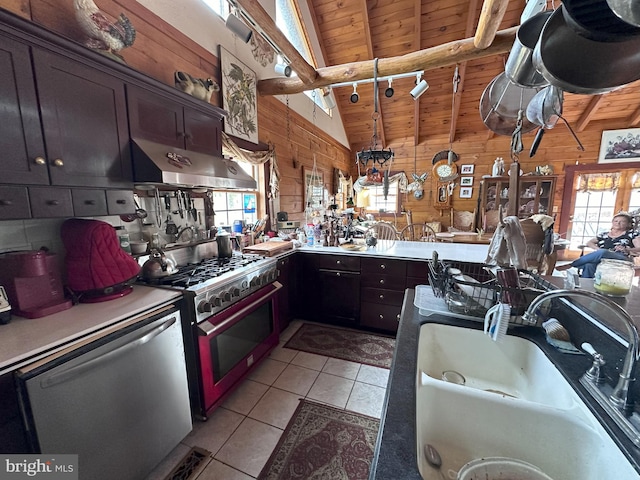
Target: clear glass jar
(613, 277)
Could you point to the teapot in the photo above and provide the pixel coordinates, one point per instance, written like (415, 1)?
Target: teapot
(158, 265)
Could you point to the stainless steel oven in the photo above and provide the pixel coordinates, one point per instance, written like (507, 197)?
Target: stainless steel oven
(232, 341)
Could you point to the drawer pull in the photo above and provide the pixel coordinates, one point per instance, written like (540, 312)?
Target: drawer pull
(121, 202)
(6, 203)
(381, 317)
(53, 202)
(382, 281)
(58, 163)
(89, 202)
(337, 274)
(381, 297)
(39, 161)
(337, 262)
(383, 266)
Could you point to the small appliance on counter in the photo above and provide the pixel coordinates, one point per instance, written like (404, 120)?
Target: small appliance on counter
(98, 269)
(33, 283)
(5, 308)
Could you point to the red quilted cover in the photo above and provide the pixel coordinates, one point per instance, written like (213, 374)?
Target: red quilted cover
(94, 258)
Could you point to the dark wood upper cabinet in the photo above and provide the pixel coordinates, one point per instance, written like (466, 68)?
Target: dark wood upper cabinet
(159, 119)
(84, 120)
(23, 155)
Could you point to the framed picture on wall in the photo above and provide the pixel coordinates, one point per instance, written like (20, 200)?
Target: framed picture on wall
(466, 169)
(239, 98)
(466, 192)
(620, 146)
(466, 181)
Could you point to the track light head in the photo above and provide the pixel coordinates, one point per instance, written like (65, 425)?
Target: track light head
(389, 91)
(283, 69)
(354, 96)
(238, 27)
(421, 87)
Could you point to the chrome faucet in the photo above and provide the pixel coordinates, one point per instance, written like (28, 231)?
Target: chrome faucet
(617, 402)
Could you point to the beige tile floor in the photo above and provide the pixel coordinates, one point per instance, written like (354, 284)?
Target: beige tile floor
(243, 432)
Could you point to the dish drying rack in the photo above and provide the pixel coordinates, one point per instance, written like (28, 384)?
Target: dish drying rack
(470, 289)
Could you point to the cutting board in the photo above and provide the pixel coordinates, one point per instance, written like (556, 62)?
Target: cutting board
(269, 249)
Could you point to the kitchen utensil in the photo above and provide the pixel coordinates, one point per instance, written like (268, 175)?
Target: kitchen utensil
(158, 265)
(505, 123)
(223, 239)
(156, 198)
(138, 246)
(627, 10)
(498, 468)
(172, 228)
(536, 142)
(507, 98)
(595, 20)
(180, 200)
(433, 458)
(577, 64)
(519, 67)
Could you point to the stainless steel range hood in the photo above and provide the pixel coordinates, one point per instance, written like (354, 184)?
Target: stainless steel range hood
(162, 164)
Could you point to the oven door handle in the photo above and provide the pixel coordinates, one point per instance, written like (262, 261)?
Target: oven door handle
(206, 328)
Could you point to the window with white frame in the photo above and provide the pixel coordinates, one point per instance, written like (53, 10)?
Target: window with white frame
(377, 202)
(221, 7)
(232, 205)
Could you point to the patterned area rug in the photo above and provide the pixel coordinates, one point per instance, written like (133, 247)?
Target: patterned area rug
(323, 443)
(360, 347)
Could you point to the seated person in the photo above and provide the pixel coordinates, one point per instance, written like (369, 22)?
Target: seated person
(619, 243)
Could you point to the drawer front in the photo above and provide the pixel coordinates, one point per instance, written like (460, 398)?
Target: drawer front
(120, 202)
(89, 203)
(49, 202)
(14, 203)
(382, 317)
(339, 262)
(377, 280)
(382, 296)
(384, 266)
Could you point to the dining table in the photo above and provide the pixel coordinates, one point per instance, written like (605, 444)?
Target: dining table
(464, 237)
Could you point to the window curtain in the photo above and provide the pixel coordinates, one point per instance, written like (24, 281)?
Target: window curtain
(232, 150)
(598, 182)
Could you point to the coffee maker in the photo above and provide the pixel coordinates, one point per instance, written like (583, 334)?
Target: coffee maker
(33, 283)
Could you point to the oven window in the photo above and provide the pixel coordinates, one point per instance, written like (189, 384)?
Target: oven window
(236, 342)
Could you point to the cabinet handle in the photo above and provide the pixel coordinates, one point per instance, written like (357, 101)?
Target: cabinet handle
(58, 162)
(381, 317)
(337, 274)
(188, 136)
(39, 161)
(180, 134)
(6, 203)
(381, 297)
(337, 262)
(121, 202)
(53, 202)
(89, 202)
(383, 266)
(381, 281)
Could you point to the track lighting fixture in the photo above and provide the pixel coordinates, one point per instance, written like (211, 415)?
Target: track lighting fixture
(389, 91)
(354, 96)
(283, 69)
(420, 88)
(238, 27)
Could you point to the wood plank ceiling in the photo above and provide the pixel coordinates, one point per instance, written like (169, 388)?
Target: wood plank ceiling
(360, 30)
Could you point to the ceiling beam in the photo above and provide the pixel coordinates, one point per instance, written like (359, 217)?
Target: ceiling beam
(491, 15)
(306, 73)
(589, 112)
(634, 118)
(435, 57)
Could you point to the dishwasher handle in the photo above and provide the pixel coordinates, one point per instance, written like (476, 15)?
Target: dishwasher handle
(72, 372)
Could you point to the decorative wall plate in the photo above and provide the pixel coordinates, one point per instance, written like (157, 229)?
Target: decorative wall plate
(444, 155)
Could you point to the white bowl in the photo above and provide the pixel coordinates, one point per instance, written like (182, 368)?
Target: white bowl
(138, 247)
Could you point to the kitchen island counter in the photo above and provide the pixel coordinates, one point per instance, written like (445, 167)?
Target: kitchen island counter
(24, 340)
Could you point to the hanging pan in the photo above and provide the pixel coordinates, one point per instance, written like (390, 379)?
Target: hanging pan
(626, 10)
(577, 64)
(500, 103)
(519, 67)
(596, 20)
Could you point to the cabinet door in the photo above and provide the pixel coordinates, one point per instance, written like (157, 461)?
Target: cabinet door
(284, 303)
(21, 140)
(84, 120)
(202, 132)
(155, 118)
(339, 296)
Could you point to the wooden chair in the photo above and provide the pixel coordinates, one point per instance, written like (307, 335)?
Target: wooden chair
(418, 232)
(491, 220)
(463, 221)
(384, 231)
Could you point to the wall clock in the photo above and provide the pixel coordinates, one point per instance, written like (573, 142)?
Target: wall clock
(443, 174)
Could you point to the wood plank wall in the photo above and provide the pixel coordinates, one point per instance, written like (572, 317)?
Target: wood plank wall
(160, 50)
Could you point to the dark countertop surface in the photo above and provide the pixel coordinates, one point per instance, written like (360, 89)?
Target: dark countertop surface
(395, 456)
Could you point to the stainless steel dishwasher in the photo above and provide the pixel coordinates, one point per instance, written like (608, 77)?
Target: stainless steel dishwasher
(120, 400)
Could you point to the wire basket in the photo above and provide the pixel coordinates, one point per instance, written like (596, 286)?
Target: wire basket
(471, 289)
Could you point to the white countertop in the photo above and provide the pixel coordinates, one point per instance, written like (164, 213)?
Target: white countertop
(463, 252)
(24, 340)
